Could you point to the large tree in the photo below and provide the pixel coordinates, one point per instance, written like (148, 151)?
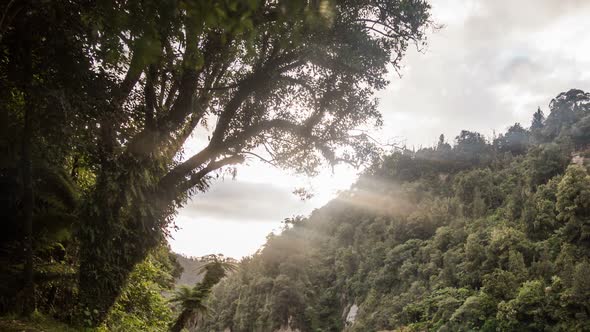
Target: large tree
(287, 81)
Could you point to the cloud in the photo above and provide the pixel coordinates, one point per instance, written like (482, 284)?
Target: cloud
(491, 65)
(244, 201)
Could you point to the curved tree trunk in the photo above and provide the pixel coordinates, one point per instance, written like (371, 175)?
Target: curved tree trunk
(109, 251)
(112, 242)
(27, 182)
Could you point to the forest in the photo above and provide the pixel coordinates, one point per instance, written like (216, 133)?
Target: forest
(98, 99)
(482, 235)
(115, 114)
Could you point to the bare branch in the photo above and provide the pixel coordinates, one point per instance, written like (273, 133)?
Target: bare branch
(270, 162)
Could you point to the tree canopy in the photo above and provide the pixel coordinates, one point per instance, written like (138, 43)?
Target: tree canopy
(107, 93)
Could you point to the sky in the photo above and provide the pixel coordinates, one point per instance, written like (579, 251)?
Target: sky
(491, 64)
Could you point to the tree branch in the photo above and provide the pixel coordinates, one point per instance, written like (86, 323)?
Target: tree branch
(212, 166)
(150, 97)
(255, 81)
(131, 77)
(216, 146)
(178, 172)
(270, 162)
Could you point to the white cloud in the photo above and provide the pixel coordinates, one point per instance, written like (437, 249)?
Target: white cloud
(244, 201)
(491, 65)
(203, 236)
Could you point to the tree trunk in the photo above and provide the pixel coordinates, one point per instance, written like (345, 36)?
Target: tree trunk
(27, 180)
(100, 285)
(110, 248)
(119, 228)
(100, 282)
(181, 321)
(28, 206)
(105, 265)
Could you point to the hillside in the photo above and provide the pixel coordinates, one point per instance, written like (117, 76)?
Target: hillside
(482, 235)
(190, 270)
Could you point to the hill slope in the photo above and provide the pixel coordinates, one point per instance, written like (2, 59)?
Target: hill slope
(191, 270)
(476, 236)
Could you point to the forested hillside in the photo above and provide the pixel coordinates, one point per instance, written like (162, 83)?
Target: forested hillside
(115, 114)
(482, 235)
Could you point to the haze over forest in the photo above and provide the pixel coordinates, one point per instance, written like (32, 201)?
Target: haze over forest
(283, 166)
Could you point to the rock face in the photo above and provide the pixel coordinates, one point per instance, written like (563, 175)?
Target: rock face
(351, 316)
(190, 270)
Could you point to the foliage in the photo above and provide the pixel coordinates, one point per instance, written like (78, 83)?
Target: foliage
(108, 93)
(192, 300)
(36, 323)
(142, 305)
(489, 236)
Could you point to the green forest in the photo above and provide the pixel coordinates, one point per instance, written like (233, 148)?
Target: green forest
(114, 115)
(478, 236)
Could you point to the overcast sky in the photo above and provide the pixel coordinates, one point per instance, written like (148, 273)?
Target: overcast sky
(491, 65)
